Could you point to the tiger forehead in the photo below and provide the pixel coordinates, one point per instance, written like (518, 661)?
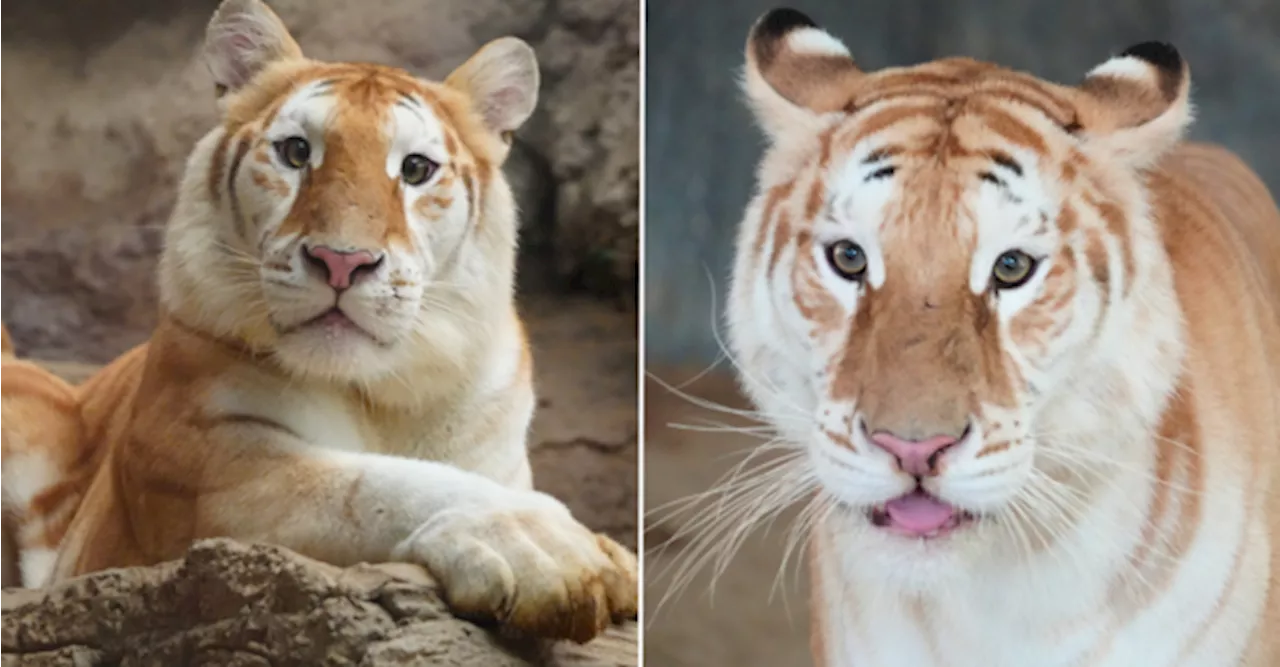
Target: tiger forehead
(976, 130)
(366, 86)
(931, 221)
(374, 87)
(955, 80)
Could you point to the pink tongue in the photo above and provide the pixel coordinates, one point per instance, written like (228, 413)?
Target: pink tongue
(919, 513)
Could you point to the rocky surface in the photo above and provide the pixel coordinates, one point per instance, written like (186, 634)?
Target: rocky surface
(236, 605)
(81, 295)
(593, 107)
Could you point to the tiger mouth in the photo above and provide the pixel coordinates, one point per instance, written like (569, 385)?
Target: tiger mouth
(919, 514)
(333, 322)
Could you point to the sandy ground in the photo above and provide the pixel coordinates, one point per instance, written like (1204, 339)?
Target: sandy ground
(736, 623)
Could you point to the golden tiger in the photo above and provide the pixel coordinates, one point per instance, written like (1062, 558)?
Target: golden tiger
(1030, 345)
(338, 366)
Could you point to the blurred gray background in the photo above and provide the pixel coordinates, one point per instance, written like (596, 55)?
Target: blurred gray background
(702, 147)
(701, 155)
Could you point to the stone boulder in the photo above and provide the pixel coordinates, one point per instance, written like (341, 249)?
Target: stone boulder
(236, 605)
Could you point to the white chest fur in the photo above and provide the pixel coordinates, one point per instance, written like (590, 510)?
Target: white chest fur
(1059, 609)
(330, 418)
(318, 417)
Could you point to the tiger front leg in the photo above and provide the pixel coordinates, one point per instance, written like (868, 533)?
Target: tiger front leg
(530, 567)
(511, 557)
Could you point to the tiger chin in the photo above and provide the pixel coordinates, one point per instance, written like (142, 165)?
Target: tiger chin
(1030, 343)
(338, 366)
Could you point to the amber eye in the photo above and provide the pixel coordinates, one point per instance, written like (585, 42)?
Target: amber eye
(416, 169)
(294, 151)
(1013, 269)
(847, 259)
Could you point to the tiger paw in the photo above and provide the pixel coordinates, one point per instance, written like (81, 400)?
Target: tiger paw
(534, 572)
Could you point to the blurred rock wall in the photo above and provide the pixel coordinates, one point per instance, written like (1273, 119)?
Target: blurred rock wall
(701, 146)
(102, 102)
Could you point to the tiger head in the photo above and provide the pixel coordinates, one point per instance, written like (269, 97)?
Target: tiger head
(949, 282)
(346, 218)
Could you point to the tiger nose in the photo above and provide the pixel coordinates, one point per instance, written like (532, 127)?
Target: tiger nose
(918, 458)
(341, 267)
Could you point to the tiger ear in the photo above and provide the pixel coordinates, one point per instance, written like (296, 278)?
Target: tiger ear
(795, 72)
(243, 38)
(1137, 105)
(501, 80)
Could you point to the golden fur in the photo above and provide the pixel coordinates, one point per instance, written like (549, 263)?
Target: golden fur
(381, 415)
(1100, 435)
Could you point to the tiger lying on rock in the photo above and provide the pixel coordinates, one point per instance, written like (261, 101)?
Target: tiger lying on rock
(338, 366)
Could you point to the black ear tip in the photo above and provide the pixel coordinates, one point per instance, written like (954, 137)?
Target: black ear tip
(1161, 54)
(779, 22)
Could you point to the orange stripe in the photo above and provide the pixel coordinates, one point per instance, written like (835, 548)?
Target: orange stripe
(993, 448)
(814, 201)
(885, 118)
(242, 147)
(840, 439)
(217, 165)
(774, 197)
(464, 172)
(1011, 129)
(781, 235)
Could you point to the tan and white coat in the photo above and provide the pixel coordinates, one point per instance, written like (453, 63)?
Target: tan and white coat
(1114, 417)
(364, 417)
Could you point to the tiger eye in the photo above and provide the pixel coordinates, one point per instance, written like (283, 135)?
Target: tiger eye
(416, 169)
(1013, 269)
(294, 151)
(847, 259)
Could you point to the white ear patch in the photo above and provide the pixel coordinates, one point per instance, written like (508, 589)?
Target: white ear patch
(814, 41)
(1126, 67)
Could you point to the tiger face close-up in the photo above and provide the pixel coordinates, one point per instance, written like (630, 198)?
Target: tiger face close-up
(338, 366)
(358, 214)
(1030, 342)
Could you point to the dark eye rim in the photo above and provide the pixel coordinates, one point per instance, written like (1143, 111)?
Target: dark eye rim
(283, 151)
(1033, 264)
(853, 276)
(430, 168)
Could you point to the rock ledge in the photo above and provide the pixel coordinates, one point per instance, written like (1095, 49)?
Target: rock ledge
(227, 603)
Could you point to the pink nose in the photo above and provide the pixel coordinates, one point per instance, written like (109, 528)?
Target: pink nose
(915, 457)
(340, 267)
